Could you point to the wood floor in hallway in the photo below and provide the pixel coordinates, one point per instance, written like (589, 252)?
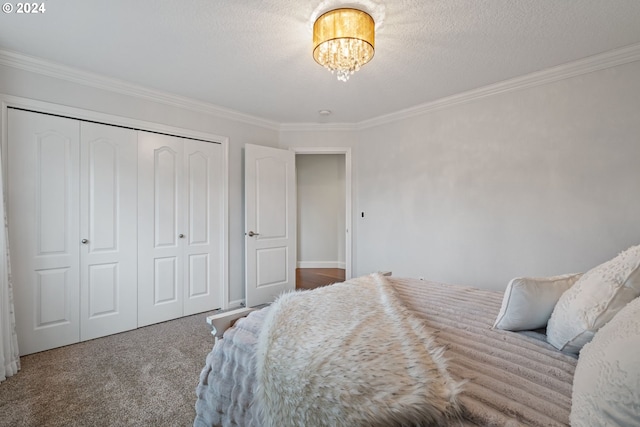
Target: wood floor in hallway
(311, 278)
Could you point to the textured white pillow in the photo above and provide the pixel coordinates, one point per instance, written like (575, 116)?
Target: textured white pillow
(606, 384)
(594, 300)
(529, 301)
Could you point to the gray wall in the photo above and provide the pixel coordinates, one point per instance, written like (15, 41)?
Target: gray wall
(536, 181)
(321, 210)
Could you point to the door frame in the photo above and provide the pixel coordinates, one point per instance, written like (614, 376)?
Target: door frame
(346, 151)
(11, 101)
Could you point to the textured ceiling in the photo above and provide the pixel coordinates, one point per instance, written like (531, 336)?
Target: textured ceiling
(255, 57)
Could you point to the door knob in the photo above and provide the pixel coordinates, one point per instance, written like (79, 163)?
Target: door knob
(84, 241)
(181, 236)
(251, 234)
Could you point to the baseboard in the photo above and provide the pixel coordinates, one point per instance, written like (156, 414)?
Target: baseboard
(321, 264)
(235, 304)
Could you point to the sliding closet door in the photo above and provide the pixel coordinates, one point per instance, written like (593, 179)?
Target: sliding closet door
(180, 226)
(109, 228)
(108, 224)
(43, 207)
(203, 252)
(161, 228)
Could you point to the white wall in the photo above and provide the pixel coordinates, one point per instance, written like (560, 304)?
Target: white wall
(43, 88)
(537, 181)
(531, 182)
(321, 210)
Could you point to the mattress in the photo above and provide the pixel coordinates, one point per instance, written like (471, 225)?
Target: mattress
(512, 378)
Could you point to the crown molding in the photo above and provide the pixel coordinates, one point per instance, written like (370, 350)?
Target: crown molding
(612, 58)
(50, 69)
(587, 65)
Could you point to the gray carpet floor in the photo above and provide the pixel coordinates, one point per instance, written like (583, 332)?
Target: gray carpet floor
(145, 377)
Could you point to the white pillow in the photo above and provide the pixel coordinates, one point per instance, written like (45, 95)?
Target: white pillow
(594, 300)
(606, 384)
(529, 301)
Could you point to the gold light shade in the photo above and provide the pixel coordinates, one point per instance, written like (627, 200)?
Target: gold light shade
(343, 41)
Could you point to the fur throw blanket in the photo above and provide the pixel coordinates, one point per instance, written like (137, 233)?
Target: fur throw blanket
(350, 354)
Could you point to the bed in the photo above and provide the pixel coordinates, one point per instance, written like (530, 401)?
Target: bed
(490, 377)
(377, 351)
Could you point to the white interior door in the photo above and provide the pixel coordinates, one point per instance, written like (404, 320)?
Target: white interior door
(270, 223)
(160, 228)
(108, 230)
(43, 209)
(203, 242)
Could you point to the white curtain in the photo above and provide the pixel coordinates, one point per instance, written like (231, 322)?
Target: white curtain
(9, 357)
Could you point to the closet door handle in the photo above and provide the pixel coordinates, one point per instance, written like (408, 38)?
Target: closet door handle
(84, 241)
(181, 236)
(251, 234)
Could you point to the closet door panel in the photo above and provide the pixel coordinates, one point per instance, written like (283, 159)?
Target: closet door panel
(203, 245)
(43, 164)
(160, 202)
(166, 180)
(108, 229)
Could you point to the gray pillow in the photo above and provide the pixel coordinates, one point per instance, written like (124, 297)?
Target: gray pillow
(528, 302)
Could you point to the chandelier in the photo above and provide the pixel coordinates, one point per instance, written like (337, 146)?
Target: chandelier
(343, 41)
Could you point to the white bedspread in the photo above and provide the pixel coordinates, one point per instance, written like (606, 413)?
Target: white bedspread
(349, 355)
(514, 379)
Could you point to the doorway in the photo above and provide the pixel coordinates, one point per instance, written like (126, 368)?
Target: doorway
(323, 184)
